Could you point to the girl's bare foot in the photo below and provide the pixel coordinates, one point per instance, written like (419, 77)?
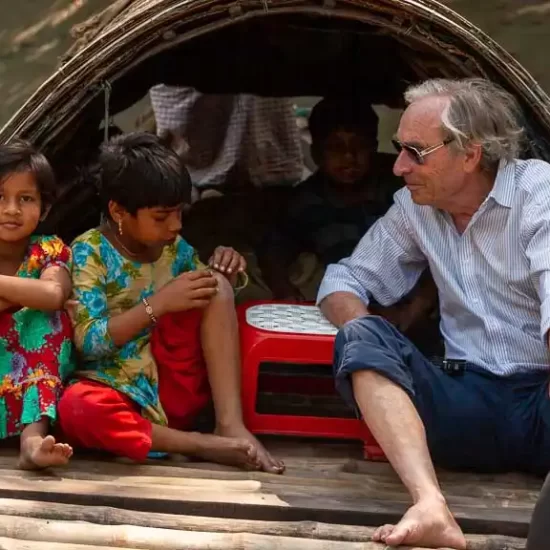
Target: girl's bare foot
(428, 523)
(39, 453)
(230, 451)
(266, 461)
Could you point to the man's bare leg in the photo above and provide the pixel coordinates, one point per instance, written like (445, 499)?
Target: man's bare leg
(220, 344)
(394, 422)
(213, 448)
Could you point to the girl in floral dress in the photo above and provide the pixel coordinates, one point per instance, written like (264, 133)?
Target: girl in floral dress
(155, 329)
(35, 332)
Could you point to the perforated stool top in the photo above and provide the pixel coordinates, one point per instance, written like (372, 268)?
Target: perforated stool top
(292, 318)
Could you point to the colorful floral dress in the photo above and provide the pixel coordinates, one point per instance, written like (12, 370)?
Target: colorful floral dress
(36, 351)
(106, 284)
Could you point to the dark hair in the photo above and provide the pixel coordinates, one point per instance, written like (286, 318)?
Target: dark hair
(332, 113)
(138, 171)
(20, 156)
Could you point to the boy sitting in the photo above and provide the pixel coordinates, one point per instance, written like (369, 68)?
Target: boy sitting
(330, 211)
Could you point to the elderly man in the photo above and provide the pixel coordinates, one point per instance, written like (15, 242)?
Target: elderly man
(479, 218)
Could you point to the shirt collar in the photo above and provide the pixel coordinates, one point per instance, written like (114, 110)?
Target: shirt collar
(505, 185)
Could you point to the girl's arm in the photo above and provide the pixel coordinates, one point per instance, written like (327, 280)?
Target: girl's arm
(98, 334)
(191, 290)
(48, 293)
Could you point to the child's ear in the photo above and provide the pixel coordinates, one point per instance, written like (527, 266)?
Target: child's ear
(116, 211)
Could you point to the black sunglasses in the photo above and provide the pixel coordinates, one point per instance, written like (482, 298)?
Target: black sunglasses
(419, 154)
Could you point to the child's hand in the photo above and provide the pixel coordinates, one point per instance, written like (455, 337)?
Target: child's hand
(191, 290)
(228, 261)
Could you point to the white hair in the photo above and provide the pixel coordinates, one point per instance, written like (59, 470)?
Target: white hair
(477, 111)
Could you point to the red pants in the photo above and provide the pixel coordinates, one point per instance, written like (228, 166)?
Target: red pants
(95, 416)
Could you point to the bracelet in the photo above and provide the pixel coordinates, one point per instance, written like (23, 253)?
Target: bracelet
(149, 310)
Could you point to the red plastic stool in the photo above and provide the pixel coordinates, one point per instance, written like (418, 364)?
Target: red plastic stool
(291, 334)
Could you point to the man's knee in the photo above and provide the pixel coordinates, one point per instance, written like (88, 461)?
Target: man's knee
(367, 349)
(365, 340)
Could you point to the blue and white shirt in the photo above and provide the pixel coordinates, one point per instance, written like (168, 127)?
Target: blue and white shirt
(493, 280)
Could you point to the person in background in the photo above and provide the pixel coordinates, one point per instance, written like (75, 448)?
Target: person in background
(231, 141)
(330, 211)
(36, 352)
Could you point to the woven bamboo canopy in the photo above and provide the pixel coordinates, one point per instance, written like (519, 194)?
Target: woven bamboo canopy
(268, 47)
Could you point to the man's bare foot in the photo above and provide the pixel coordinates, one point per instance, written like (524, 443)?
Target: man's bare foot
(266, 461)
(41, 453)
(230, 451)
(428, 523)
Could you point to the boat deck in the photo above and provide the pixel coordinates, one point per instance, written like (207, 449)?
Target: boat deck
(329, 498)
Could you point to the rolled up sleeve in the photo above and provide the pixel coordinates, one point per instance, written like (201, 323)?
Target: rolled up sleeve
(385, 265)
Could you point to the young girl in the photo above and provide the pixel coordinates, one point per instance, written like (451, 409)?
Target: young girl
(156, 330)
(35, 332)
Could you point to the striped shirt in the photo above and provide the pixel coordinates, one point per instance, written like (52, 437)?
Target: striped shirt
(493, 280)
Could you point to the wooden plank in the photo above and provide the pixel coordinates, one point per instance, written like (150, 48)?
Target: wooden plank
(369, 488)
(286, 503)
(304, 459)
(304, 529)
(375, 481)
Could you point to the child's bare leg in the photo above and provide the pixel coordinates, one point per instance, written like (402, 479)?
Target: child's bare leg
(220, 344)
(213, 448)
(39, 450)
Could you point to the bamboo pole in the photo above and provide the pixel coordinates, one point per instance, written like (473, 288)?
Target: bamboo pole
(17, 544)
(114, 516)
(300, 531)
(150, 538)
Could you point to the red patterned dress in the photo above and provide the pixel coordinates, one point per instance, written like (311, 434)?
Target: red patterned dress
(36, 352)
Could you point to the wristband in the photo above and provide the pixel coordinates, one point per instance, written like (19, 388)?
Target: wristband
(149, 310)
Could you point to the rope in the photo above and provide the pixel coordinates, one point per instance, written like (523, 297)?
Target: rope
(106, 85)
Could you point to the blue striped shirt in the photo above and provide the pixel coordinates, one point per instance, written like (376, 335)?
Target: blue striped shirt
(493, 280)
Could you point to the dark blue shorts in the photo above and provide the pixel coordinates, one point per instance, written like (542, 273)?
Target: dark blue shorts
(474, 420)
